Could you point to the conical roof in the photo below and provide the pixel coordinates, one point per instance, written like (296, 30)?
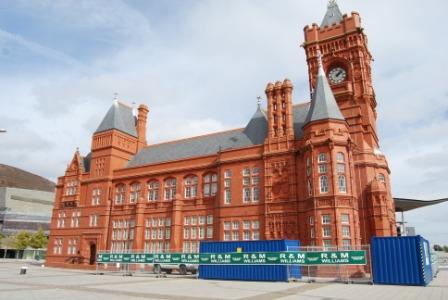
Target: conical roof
(119, 117)
(323, 103)
(333, 14)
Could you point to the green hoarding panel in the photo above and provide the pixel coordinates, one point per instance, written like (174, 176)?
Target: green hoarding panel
(351, 257)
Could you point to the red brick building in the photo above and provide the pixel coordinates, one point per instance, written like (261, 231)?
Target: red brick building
(311, 171)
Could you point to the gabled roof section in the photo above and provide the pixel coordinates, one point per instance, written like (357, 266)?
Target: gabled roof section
(257, 128)
(323, 103)
(333, 14)
(119, 117)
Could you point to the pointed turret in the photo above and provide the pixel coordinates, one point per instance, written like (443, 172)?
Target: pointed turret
(333, 14)
(257, 128)
(323, 103)
(119, 117)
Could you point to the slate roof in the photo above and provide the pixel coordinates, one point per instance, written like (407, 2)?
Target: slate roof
(333, 14)
(253, 134)
(323, 103)
(120, 117)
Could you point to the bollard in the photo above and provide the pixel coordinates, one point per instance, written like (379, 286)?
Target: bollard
(23, 270)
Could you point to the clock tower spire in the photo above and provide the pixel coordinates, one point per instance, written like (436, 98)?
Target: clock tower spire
(347, 62)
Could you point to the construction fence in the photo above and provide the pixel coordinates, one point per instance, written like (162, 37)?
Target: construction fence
(348, 264)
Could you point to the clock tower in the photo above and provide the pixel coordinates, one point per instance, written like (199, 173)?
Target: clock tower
(347, 63)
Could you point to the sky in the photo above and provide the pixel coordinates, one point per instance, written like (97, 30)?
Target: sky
(200, 65)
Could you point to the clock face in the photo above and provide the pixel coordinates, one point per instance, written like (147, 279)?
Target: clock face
(337, 75)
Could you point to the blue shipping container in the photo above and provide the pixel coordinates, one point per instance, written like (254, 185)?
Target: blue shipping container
(249, 272)
(401, 260)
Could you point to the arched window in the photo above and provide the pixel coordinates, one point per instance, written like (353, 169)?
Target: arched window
(310, 188)
(153, 190)
(342, 184)
(170, 188)
(321, 158)
(323, 181)
(191, 187)
(210, 185)
(340, 157)
(381, 177)
(120, 191)
(135, 192)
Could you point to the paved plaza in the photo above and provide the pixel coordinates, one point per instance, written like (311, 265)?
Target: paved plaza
(50, 283)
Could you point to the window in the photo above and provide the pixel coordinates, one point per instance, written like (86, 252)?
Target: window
(235, 236)
(210, 185)
(93, 220)
(120, 191)
(308, 161)
(210, 219)
(235, 225)
(255, 235)
(341, 184)
(246, 172)
(340, 157)
(255, 171)
(96, 196)
(187, 220)
(201, 220)
(381, 177)
(226, 225)
(186, 233)
(193, 232)
(227, 236)
(153, 190)
(255, 180)
(246, 181)
(310, 187)
(71, 249)
(201, 233)
(168, 222)
(209, 232)
(227, 173)
(323, 181)
(340, 168)
(321, 158)
(135, 192)
(161, 221)
(227, 196)
(311, 220)
(227, 183)
(75, 219)
(255, 224)
(346, 231)
(167, 233)
(170, 188)
(322, 168)
(246, 194)
(191, 187)
(345, 219)
(57, 248)
(312, 232)
(255, 194)
(346, 244)
(327, 244)
(246, 224)
(325, 219)
(246, 235)
(61, 220)
(194, 220)
(326, 231)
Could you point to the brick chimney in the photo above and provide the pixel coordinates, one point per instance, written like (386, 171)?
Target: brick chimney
(141, 126)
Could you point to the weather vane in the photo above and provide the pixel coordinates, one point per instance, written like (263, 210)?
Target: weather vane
(258, 101)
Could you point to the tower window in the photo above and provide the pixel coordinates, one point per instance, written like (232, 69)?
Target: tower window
(340, 157)
(342, 184)
(210, 185)
(323, 181)
(381, 177)
(321, 158)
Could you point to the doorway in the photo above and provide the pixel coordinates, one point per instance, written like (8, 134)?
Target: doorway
(92, 254)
